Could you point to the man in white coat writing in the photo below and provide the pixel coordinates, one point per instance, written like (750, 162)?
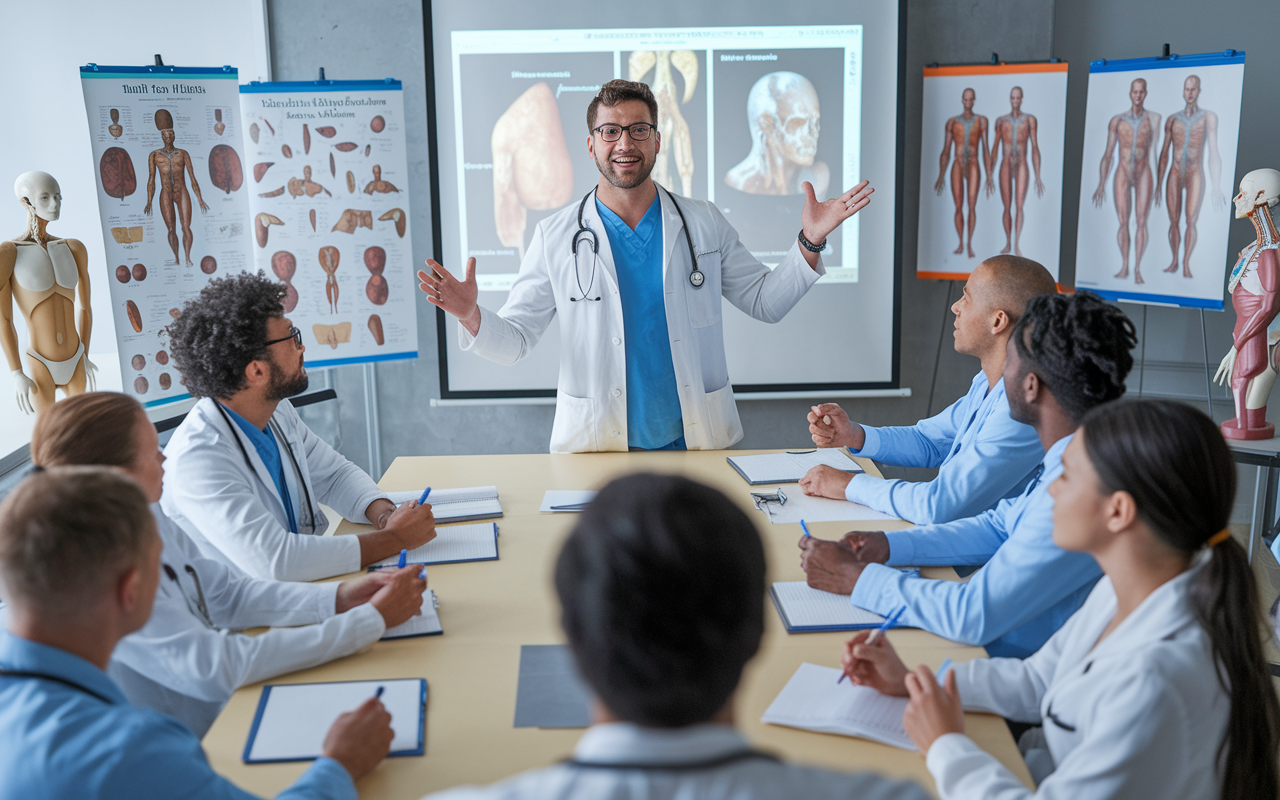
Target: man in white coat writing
(642, 364)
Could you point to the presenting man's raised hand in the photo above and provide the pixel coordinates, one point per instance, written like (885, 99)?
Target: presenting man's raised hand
(457, 298)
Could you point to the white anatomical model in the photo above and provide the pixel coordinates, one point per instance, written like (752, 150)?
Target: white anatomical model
(42, 276)
(531, 167)
(671, 123)
(783, 116)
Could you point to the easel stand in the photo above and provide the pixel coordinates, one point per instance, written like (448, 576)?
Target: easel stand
(1142, 356)
(937, 358)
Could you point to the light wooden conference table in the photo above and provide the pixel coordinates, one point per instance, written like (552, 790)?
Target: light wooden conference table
(489, 609)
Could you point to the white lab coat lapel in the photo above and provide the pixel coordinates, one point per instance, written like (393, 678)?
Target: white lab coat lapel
(259, 467)
(591, 218)
(673, 269)
(291, 444)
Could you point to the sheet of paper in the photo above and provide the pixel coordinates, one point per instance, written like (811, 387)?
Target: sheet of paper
(296, 718)
(442, 496)
(807, 607)
(424, 624)
(556, 500)
(800, 506)
(788, 467)
(549, 692)
(814, 701)
(476, 542)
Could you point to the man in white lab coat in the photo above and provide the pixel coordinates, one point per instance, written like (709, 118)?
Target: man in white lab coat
(245, 476)
(636, 277)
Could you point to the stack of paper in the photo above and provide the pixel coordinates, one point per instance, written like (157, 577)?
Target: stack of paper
(814, 701)
(456, 543)
(807, 610)
(790, 467)
(425, 624)
(457, 505)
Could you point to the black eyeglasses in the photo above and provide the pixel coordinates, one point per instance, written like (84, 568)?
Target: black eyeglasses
(638, 131)
(294, 334)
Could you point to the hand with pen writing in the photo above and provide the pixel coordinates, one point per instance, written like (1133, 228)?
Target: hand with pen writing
(360, 739)
(836, 566)
(869, 660)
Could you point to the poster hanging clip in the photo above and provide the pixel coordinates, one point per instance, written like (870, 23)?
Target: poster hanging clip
(995, 58)
(159, 60)
(322, 73)
(1165, 54)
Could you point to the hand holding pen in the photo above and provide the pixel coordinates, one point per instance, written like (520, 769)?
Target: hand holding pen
(870, 660)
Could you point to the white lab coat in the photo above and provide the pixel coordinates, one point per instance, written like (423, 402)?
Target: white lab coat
(223, 497)
(1140, 715)
(186, 661)
(591, 396)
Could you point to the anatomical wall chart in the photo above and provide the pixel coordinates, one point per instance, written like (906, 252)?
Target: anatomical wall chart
(328, 196)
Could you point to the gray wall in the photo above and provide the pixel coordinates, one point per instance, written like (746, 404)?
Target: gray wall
(384, 38)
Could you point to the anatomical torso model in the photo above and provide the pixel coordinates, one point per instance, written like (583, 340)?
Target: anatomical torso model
(1255, 295)
(42, 276)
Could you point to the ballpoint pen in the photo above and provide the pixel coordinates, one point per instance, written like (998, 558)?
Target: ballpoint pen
(805, 528)
(378, 693)
(886, 625)
(425, 492)
(404, 556)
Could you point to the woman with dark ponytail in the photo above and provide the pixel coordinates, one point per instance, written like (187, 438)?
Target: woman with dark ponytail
(1158, 686)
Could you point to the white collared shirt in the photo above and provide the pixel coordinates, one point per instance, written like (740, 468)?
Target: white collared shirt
(649, 750)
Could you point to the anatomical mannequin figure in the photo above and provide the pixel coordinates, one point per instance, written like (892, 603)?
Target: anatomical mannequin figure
(531, 167)
(1255, 295)
(671, 123)
(965, 133)
(174, 166)
(42, 275)
(784, 119)
(1135, 132)
(1186, 136)
(1016, 133)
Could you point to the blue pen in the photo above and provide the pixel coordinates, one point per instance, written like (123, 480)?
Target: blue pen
(886, 625)
(423, 575)
(425, 492)
(805, 528)
(378, 693)
(404, 556)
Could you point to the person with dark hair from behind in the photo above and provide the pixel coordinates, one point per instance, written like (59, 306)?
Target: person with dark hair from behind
(982, 454)
(1067, 355)
(246, 476)
(66, 730)
(1159, 685)
(188, 659)
(661, 642)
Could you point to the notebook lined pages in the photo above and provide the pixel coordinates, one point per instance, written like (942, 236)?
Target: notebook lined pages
(805, 607)
(814, 700)
(475, 542)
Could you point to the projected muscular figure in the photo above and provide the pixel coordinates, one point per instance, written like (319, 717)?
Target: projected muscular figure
(1135, 132)
(966, 133)
(1013, 133)
(1185, 135)
(174, 166)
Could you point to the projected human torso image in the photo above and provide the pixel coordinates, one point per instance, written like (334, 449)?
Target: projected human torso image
(1133, 133)
(965, 133)
(1015, 138)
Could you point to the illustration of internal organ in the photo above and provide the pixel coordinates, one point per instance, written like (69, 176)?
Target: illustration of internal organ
(328, 131)
(260, 224)
(378, 184)
(531, 167)
(218, 127)
(139, 361)
(273, 193)
(260, 169)
(122, 273)
(208, 265)
(140, 385)
(268, 124)
(286, 150)
(224, 168)
(332, 335)
(329, 258)
(298, 187)
(351, 182)
(353, 218)
(376, 125)
(306, 140)
(367, 148)
(139, 273)
(254, 132)
(114, 128)
(162, 358)
(312, 214)
(345, 147)
(165, 381)
(135, 316)
(175, 313)
(375, 327)
(333, 168)
(397, 215)
(375, 260)
(127, 235)
(283, 264)
(116, 169)
(671, 123)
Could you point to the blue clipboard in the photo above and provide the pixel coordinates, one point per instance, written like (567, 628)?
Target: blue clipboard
(419, 750)
(376, 567)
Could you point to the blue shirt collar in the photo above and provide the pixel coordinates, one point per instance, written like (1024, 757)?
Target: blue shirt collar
(25, 655)
(259, 436)
(649, 223)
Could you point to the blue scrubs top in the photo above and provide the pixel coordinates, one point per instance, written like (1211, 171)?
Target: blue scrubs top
(654, 421)
(269, 451)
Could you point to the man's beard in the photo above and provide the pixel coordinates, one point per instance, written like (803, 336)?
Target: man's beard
(282, 386)
(1019, 409)
(641, 175)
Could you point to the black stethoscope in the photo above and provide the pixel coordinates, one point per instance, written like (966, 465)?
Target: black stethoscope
(280, 438)
(696, 277)
(200, 608)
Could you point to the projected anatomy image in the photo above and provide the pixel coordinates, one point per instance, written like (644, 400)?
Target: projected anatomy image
(784, 117)
(1153, 163)
(531, 167)
(991, 166)
(658, 69)
(173, 164)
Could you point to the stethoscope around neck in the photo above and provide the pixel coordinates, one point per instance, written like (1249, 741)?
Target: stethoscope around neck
(280, 439)
(585, 234)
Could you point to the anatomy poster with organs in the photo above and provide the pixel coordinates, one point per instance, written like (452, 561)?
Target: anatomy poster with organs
(329, 206)
(172, 182)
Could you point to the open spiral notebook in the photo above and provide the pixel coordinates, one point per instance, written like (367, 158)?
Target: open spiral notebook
(457, 505)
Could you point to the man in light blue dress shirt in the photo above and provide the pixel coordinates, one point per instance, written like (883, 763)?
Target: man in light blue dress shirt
(1067, 355)
(80, 562)
(982, 454)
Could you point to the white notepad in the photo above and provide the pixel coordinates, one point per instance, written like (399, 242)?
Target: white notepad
(814, 701)
(807, 610)
(800, 506)
(454, 543)
(293, 720)
(425, 624)
(457, 505)
(790, 467)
